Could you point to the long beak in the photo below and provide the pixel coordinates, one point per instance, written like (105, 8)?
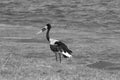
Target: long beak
(42, 30)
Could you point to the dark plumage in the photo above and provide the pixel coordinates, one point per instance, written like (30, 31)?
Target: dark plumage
(57, 46)
(63, 47)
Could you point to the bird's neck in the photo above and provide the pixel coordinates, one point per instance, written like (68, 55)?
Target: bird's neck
(47, 35)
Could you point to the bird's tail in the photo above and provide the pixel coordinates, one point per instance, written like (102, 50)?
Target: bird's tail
(67, 54)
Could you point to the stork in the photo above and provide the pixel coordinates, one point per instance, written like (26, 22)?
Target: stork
(58, 47)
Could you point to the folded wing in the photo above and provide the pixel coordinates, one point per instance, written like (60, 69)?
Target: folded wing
(64, 49)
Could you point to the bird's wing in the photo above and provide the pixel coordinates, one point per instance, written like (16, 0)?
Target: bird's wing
(63, 47)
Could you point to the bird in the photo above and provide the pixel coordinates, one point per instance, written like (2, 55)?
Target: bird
(58, 47)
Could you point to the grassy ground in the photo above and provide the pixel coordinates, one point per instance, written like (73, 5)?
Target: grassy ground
(89, 27)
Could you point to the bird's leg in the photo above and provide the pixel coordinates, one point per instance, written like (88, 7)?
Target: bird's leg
(60, 56)
(56, 56)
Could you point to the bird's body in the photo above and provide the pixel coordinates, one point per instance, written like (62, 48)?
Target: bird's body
(57, 46)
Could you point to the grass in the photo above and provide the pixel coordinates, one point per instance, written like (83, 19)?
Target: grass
(89, 27)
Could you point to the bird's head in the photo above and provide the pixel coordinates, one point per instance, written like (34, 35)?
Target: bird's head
(47, 27)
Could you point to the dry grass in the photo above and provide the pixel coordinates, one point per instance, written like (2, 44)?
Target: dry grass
(89, 27)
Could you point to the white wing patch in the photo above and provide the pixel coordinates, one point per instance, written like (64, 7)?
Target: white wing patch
(66, 54)
(52, 41)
